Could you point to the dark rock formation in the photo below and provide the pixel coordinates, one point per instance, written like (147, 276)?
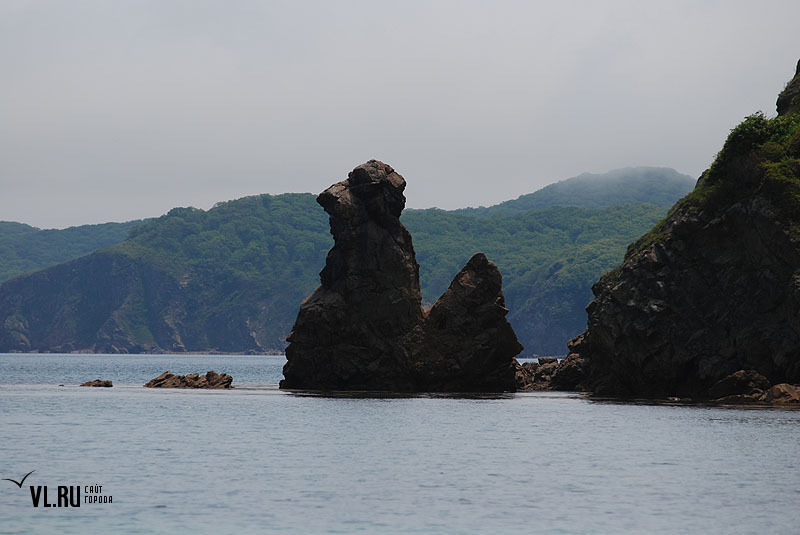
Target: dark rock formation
(356, 330)
(211, 379)
(534, 375)
(364, 327)
(468, 344)
(524, 375)
(98, 382)
(783, 393)
(789, 99)
(715, 287)
(570, 374)
(740, 383)
(748, 386)
(549, 373)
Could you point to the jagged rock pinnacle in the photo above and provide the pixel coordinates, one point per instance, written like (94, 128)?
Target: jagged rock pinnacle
(364, 328)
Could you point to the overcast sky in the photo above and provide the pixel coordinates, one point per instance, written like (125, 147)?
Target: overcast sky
(117, 110)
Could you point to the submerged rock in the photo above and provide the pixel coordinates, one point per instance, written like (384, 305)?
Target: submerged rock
(364, 327)
(97, 382)
(211, 379)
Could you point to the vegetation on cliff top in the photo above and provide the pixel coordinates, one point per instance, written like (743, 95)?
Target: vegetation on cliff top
(760, 157)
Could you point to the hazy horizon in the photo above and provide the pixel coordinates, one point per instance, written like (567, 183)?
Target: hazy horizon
(114, 111)
(610, 171)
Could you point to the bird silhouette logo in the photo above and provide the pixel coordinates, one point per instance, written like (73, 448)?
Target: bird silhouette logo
(19, 483)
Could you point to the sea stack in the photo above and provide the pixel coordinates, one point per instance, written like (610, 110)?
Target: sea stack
(364, 327)
(714, 289)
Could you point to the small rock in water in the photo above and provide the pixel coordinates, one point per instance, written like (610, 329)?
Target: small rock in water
(211, 379)
(744, 383)
(550, 374)
(97, 382)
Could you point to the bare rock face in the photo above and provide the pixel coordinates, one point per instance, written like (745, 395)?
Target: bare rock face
(714, 295)
(789, 99)
(570, 374)
(749, 386)
(715, 287)
(105, 383)
(355, 331)
(211, 379)
(740, 383)
(364, 327)
(783, 393)
(468, 344)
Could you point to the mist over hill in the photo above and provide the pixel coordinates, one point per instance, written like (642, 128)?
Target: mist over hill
(652, 185)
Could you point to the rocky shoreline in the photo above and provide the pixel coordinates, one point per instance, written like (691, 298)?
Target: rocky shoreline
(744, 387)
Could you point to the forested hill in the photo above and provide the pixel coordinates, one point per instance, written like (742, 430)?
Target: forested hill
(653, 185)
(24, 248)
(549, 260)
(230, 279)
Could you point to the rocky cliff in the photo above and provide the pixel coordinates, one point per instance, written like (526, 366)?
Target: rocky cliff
(715, 287)
(364, 328)
(51, 310)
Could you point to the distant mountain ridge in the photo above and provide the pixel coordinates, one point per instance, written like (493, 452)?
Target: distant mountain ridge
(25, 249)
(222, 280)
(652, 185)
(230, 279)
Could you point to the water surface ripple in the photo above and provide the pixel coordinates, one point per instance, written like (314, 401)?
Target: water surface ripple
(258, 460)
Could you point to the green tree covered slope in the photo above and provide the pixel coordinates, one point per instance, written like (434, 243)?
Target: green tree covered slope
(24, 249)
(231, 279)
(652, 185)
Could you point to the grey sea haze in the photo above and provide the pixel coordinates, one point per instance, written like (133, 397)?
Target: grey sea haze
(259, 460)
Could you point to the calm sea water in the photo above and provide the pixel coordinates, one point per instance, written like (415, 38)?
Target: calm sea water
(258, 460)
